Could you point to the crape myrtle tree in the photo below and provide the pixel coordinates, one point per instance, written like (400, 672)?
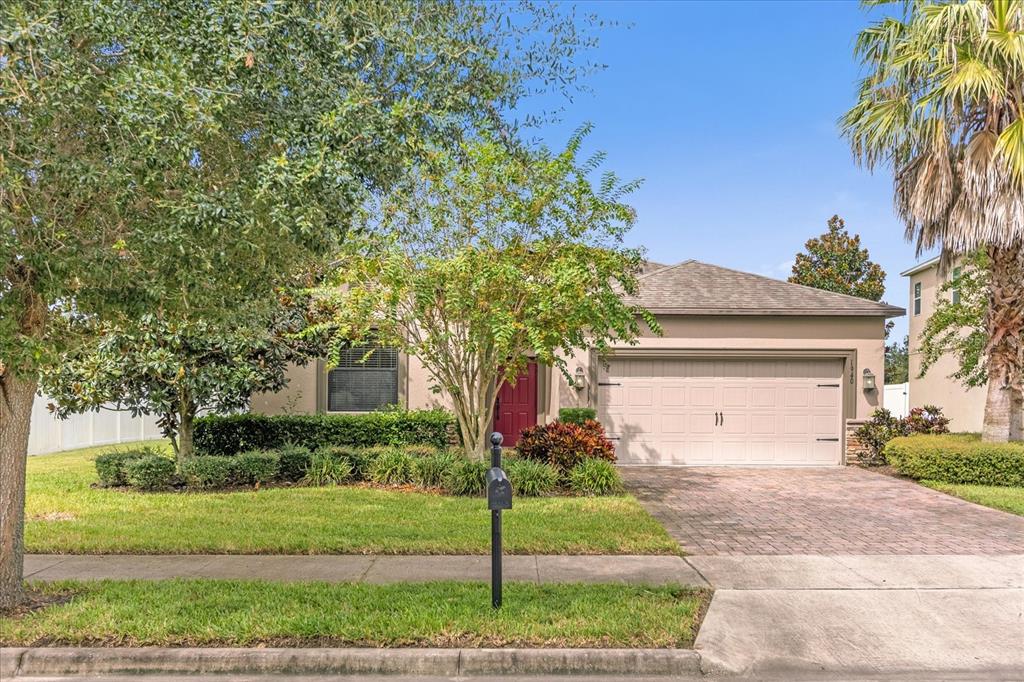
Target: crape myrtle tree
(184, 157)
(836, 262)
(487, 257)
(941, 105)
(174, 369)
(957, 326)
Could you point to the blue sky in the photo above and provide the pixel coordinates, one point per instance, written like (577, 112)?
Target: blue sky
(728, 112)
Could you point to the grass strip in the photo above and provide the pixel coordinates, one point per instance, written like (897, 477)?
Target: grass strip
(998, 497)
(440, 614)
(66, 515)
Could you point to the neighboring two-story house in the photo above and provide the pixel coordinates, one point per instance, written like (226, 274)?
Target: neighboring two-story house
(964, 407)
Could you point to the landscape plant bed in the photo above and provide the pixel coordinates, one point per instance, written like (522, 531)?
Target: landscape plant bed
(1004, 498)
(439, 614)
(66, 515)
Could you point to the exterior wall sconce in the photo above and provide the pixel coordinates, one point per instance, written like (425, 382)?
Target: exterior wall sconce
(579, 381)
(869, 381)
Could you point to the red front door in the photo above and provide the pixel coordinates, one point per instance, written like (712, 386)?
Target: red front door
(516, 406)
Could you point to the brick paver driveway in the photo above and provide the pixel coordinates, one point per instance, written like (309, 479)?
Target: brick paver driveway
(842, 510)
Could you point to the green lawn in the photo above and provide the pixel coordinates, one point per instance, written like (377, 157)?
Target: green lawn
(445, 614)
(997, 497)
(66, 515)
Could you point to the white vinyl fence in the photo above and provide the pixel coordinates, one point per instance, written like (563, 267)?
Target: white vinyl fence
(49, 434)
(897, 399)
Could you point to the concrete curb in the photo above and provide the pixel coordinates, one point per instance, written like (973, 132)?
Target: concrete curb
(35, 662)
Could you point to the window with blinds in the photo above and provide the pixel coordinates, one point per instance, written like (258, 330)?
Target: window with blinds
(365, 379)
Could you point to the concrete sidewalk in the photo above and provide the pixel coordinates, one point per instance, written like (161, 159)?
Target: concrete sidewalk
(862, 616)
(649, 570)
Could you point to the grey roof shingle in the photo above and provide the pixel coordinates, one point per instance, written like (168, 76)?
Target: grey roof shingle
(695, 288)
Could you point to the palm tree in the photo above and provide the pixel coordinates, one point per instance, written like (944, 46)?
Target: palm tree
(941, 105)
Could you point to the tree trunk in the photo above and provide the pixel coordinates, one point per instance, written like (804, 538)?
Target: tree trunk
(16, 397)
(186, 424)
(1004, 323)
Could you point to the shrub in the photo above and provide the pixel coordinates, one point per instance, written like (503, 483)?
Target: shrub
(530, 478)
(577, 415)
(110, 465)
(466, 477)
(208, 472)
(327, 468)
(229, 435)
(430, 472)
(359, 459)
(957, 458)
(876, 432)
(595, 477)
(293, 460)
(420, 450)
(151, 472)
(883, 427)
(564, 445)
(393, 466)
(927, 419)
(256, 467)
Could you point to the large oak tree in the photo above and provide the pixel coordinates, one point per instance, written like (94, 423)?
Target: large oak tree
(162, 156)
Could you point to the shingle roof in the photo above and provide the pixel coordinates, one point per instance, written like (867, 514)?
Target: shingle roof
(695, 288)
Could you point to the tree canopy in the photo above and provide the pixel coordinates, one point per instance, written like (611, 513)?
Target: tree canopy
(489, 257)
(176, 368)
(941, 104)
(836, 262)
(957, 326)
(186, 157)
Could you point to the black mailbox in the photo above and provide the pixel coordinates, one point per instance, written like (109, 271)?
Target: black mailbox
(499, 490)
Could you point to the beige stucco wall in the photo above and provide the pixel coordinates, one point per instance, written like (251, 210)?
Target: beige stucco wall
(858, 338)
(861, 339)
(964, 407)
(298, 397)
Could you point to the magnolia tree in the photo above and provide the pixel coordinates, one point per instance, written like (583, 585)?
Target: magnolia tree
(184, 158)
(175, 369)
(487, 258)
(836, 262)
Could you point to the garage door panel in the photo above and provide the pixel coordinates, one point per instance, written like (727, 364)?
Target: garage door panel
(796, 396)
(666, 411)
(826, 396)
(702, 423)
(735, 395)
(673, 396)
(763, 396)
(761, 451)
(674, 422)
(735, 425)
(640, 396)
(702, 396)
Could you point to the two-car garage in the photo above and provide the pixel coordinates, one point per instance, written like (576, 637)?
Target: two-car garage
(723, 411)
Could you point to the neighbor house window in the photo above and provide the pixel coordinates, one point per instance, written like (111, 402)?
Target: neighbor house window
(956, 290)
(917, 298)
(365, 379)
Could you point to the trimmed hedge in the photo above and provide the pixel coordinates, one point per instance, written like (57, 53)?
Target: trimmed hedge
(151, 472)
(957, 458)
(228, 435)
(110, 466)
(577, 415)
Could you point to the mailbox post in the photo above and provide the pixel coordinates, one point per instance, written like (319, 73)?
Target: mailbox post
(499, 497)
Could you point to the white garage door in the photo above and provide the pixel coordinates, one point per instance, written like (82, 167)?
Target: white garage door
(722, 412)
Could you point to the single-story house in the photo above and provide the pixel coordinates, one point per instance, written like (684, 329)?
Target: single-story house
(965, 407)
(748, 371)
